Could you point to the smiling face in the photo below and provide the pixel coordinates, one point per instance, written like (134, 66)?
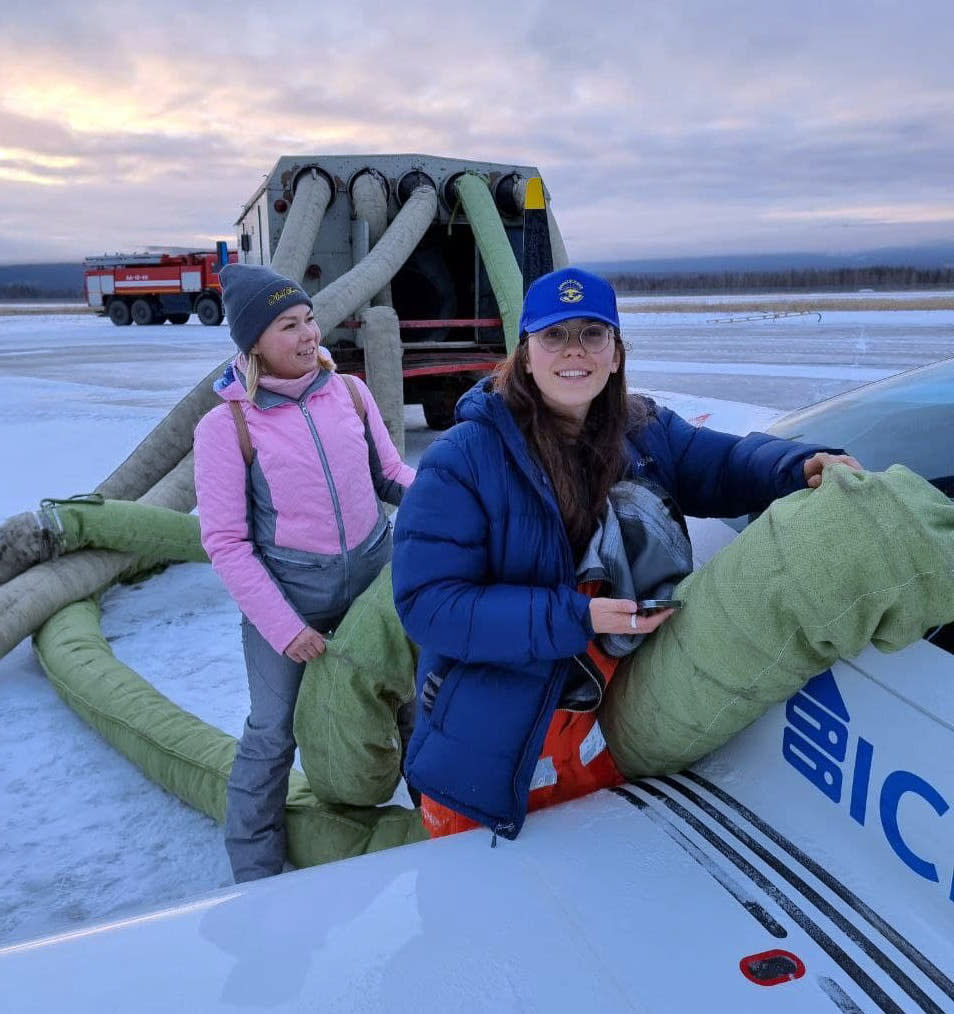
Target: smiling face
(571, 378)
(289, 345)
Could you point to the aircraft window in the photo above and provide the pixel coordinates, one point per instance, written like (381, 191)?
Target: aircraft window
(895, 420)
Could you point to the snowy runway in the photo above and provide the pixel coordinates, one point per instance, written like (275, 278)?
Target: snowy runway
(82, 834)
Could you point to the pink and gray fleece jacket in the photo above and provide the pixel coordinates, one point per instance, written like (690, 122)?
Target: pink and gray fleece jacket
(312, 490)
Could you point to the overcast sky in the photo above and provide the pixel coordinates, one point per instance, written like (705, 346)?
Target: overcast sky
(661, 127)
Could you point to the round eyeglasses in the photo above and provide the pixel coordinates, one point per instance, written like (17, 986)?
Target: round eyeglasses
(592, 337)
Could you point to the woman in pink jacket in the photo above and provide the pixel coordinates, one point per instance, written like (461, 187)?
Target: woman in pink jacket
(288, 475)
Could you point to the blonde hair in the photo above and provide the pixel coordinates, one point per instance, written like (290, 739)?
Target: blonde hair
(256, 369)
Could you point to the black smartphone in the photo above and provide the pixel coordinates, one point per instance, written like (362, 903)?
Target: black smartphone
(646, 607)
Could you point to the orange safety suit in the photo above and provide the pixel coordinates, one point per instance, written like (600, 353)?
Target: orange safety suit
(574, 761)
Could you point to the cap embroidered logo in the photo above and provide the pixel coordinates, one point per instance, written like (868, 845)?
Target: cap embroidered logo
(277, 297)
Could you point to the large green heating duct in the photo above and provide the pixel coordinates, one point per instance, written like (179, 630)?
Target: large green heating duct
(342, 297)
(91, 564)
(187, 756)
(866, 558)
(382, 367)
(496, 251)
(180, 752)
(312, 197)
(369, 200)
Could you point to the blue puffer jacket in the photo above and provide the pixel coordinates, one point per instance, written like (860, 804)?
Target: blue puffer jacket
(484, 582)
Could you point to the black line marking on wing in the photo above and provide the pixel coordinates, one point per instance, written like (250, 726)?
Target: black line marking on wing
(890, 934)
(843, 960)
(854, 933)
(838, 996)
(713, 868)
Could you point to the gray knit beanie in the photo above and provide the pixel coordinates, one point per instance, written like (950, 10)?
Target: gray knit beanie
(254, 296)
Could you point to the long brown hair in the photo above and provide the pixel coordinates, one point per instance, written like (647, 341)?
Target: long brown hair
(582, 466)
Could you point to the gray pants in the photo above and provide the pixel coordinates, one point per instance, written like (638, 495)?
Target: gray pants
(258, 781)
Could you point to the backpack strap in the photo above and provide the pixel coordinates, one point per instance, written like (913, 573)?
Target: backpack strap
(241, 427)
(387, 489)
(355, 397)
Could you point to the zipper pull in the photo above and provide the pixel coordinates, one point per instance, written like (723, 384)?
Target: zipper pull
(495, 829)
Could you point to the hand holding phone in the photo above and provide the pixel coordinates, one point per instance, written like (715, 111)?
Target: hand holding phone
(649, 607)
(623, 616)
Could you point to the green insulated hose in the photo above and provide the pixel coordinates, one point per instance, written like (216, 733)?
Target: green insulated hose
(190, 758)
(496, 251)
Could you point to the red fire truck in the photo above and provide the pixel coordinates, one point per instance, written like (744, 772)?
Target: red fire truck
(154, 287)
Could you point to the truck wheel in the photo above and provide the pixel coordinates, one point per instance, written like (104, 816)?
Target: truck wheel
(208, 310)
(119, 312)
(142, 312)
(179, 318)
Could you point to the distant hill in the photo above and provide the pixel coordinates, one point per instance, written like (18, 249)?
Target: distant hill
(41, 281)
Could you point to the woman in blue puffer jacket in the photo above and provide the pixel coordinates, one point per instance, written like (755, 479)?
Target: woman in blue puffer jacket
(489, 536)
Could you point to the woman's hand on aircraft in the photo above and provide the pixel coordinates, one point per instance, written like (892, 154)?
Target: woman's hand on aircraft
(307, 645)
(817, 463)
(619, 616)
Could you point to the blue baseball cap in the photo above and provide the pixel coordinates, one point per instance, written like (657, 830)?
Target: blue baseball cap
(567, 293)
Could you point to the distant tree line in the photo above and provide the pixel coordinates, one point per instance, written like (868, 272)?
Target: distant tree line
(789, 280)
(884, 277)
(31, 293)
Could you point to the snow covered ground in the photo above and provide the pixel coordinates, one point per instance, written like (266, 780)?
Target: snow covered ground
(83, 835)
(809, 299)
